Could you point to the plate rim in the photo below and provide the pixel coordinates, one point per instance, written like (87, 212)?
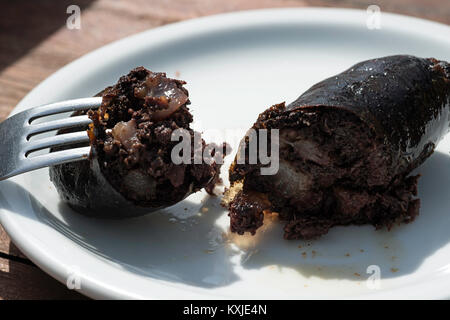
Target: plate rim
(92, 288)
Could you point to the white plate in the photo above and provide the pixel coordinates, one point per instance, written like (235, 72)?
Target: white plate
(236, 65)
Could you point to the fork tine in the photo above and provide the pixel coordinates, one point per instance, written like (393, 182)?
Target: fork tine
(58, 140)
(59, 157)
(65, 123)
(65, 106)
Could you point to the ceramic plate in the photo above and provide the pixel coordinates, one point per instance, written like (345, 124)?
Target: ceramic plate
(236, 65)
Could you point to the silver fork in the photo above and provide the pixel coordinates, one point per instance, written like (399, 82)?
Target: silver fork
(16, 131)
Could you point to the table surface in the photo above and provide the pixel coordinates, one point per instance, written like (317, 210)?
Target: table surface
(34, 43)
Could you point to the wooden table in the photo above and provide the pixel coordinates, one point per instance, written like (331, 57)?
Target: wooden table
(34, 43)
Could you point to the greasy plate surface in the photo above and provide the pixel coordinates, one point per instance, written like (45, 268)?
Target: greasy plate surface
(236, 65)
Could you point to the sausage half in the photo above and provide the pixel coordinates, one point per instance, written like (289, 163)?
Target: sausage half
(130, 171)
(346, 149)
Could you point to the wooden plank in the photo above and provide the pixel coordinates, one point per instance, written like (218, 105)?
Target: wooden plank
(22, 281)
(436, 10)
(7, 247)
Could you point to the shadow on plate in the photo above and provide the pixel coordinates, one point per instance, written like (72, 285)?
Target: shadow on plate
(185, 248)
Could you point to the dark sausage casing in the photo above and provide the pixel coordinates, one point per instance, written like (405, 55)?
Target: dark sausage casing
(347, 146)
